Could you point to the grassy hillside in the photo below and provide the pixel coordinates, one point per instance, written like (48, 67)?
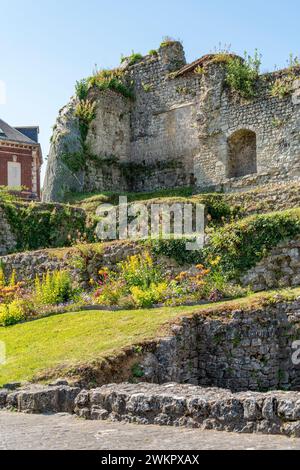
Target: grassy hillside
(263, 199)
(72, 339)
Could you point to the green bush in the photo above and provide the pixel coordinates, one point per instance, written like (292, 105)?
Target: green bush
(134, 58)
(111, 80)
(38, 225)
(282, 87)
(217, 208)
(86, 112)
(81, 89)
(75, 161)
(12, 313)
(146, 297)
(241, 245)
(176, 249)
(242, 75)
(139, 271)
(167, 41)
(54, 288)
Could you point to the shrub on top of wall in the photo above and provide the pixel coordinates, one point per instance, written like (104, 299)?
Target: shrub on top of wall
(242, 244)
(111, 80)
(168, 41)
(133, 59)
(153, 52)
(86, 112)
(239, 245)
(81, 89)
(283, 85)
(242, 74)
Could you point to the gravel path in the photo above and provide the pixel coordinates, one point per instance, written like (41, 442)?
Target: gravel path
(21, 431)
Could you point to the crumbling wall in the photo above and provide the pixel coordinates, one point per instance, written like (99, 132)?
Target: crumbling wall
(178, 130)
(108, 141)
(164, 139)
(274, 121)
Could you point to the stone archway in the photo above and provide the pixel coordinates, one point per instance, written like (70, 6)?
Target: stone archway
(241, 153)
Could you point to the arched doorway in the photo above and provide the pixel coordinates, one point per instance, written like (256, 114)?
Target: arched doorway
(241, 153)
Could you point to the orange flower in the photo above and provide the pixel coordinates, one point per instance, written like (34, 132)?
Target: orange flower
(200, 266)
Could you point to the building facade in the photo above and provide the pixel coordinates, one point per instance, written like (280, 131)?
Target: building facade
(20, 158)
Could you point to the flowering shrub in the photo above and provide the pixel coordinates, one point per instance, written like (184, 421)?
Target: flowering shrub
(139, 270)
(110, 293)
(54, 288)
(140, 283)
(51, 294)
(154, 294)
(12, 313)
(11, 289)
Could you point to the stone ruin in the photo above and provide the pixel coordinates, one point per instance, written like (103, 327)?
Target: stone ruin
(181, 129)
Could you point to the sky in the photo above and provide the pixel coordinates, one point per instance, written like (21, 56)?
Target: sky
(47, 45)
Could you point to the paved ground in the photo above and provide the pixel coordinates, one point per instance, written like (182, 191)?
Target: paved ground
(21, 431)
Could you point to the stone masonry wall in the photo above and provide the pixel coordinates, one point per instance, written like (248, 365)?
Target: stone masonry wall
(29, 264)
(179, 130)
(280, 269)
(275, 122)
(239, 350)
(193, 407)
(164, 138)
(109, 141)
(165, 405)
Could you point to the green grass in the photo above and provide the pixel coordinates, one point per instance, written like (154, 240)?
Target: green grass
(220, 206)
(75, 338)
(80, 338)
(113, 197)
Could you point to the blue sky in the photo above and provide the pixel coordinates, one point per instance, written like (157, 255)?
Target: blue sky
(47, 45)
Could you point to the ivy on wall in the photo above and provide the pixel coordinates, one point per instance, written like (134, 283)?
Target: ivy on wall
(38, 225)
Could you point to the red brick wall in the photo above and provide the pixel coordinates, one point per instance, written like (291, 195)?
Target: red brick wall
(39, 182)
(24, 156)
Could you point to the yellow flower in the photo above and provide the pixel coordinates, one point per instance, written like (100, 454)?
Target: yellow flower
(91, 281)
(103, 271)
(216, 261)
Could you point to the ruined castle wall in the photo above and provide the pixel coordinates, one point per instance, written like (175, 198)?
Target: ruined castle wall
(275, 122)
(281, 268)
(109, 142)
(164, 137)
(182, 129)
